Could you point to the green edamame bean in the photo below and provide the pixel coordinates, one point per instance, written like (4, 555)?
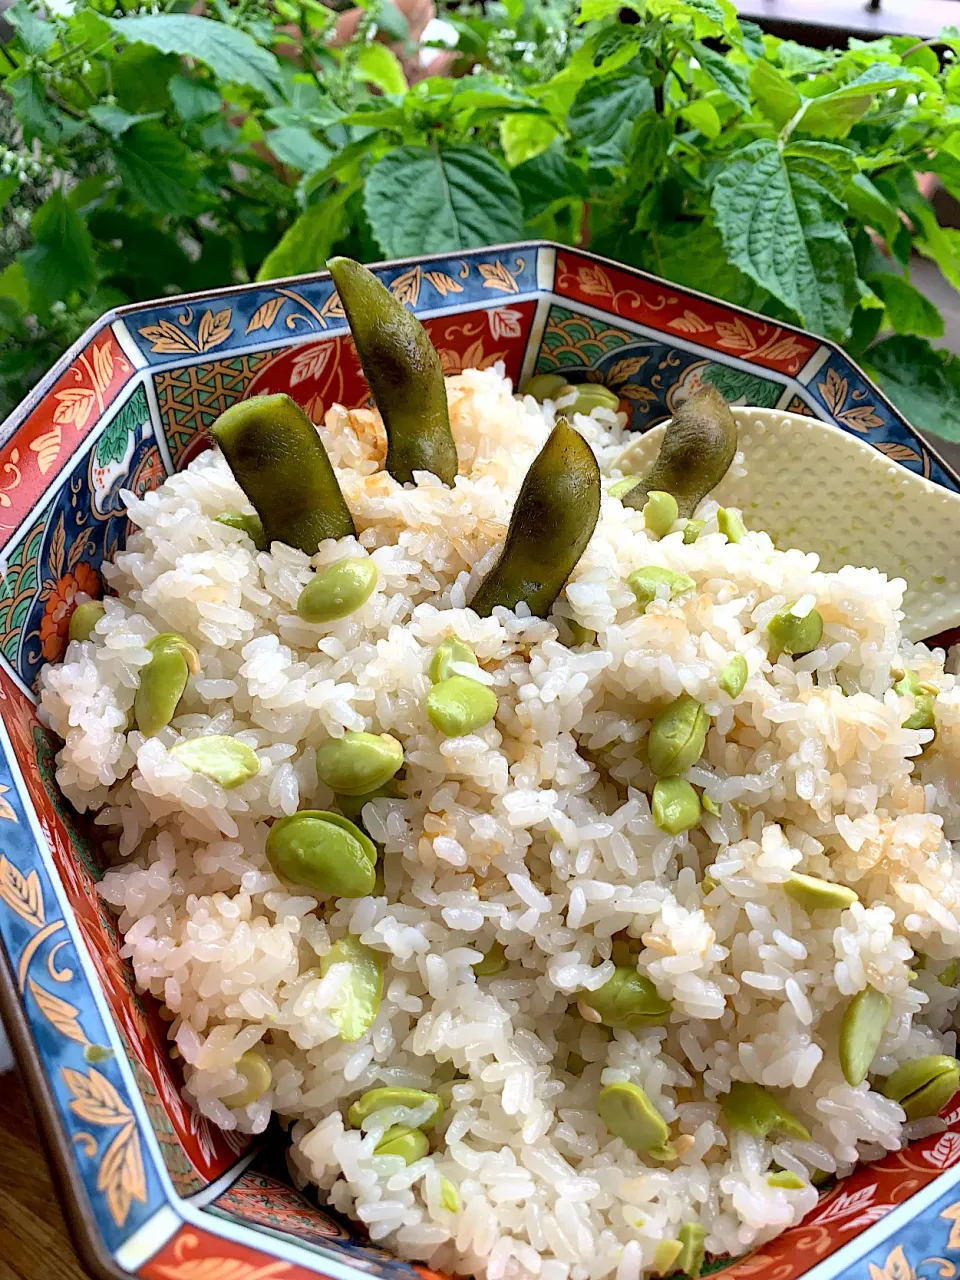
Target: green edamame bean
(923, 715)
(278, 460)
(675, 806)
(84, 618)
(752, 1108)
(861, 1030)
(362, 993)
(733, 675)
(620, 487)
(394, 1096)
(452, 650)
(590, 396)
(697, 448)
(358, 763)
(449, 1196)
(402, 368)
(677, 736)
(630, 1116)
(815, 894)
(580, 634)
(690, 1259)
(924, 1086)
(786, 1180)
(709, 805)
(251, 525)
(400, 1140)
(729, 523)
(220, 757)
(338, 590)
(163, 681)
(692, 531)
(459, 705)
(553, 519)
(665, 1257)
(644, 582)
(257, 1078)
(546, 386)
(948, 976)
(324, 852)
(352, 806)
(628, 1000)
(792, 635)
(659, 512)
(493, 962)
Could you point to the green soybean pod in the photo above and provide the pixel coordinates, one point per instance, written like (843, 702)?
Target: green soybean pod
(553, 519)
(279, 462)
(697, 448)
(360, 996)
(403, 371)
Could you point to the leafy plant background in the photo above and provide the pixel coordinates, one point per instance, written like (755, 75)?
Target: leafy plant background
(156, 150)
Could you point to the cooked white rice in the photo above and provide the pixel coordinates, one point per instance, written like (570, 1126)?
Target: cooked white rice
(536, 832)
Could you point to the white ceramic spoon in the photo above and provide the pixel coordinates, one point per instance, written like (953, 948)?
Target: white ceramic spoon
(811, 485)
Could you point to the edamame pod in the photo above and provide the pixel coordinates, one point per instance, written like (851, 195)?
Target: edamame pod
(279, 461)
(403, 370)
(553, 520)
(697, 448)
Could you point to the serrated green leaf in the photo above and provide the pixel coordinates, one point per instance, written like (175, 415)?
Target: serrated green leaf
(35, 35)
(193, 100)
(923, 383)
(230, 53)
(38, 116)
(702, 116)
(61, 261)
(834, 114)
(871, 207)
(306, 245)
(114, 120)
(7, 187)
(693, 254)
(706, 17)
(729, 77)
(907, 309)
(419, 200)
(649, 145)
(298, 148)
(157, 169)
(525, 136)
(752, 37)
(777, 97)
(781, 218)
(547, 179)
(380, 66)
(602, 106)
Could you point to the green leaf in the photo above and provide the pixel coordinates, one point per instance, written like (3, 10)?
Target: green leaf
(156, 168)
(116, 121)
(193, 100)
(702, 116)
(871, 207)
(923, 383)
(380, 66)
(601, 106)
(706, 17)
(13, 285)
(834, 114)
(752, 37)
(420, 200)
(36, 36)
(907, 309)
(650, 144)
(693, 254)
(7, 187)
(729, 77)
(777, 97)
(391, 21)
(306, 245)
(548, 178)
(781, 218)
(525, 136)
(298, 148)
(38, 116)
(230, 53)
(598, 10)
(61, 261)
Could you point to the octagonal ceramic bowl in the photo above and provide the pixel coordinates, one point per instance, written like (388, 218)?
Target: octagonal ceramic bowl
(150, 1188)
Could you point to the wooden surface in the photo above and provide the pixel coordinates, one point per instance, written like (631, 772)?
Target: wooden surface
(34, 1243)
